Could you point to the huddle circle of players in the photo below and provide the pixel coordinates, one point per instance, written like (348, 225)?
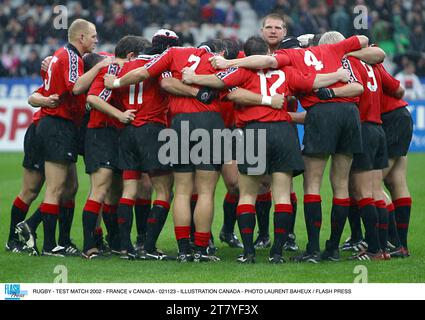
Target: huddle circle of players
(111, 109)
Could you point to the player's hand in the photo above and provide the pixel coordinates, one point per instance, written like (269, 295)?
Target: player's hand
(45, 64)
(127, 116)
(325, 93)
(187, 75)
(52, 101)
(109, 81)
(218, 62)
(105, 62)
(277, 101)
(343, 75)
(206, 95)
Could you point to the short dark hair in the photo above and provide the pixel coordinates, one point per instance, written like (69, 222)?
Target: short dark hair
(130, 44)
(231, 48)
(274, 16)
(161, 43)
(215, 45)
(290, 43)
(91, 59)
(255, 45)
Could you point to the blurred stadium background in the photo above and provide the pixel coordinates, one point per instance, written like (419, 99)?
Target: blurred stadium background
(27, 35)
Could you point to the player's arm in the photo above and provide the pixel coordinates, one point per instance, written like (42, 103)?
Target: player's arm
(298, 117)
(209, 80)
(399, 93)
(348, 91)
(248, 98)
(133, 77)
(37, 100)
(251, 62)
(328, 79)
(83, 82)
(103, 106)
(178, 88)
(370, 55)
(364, 41)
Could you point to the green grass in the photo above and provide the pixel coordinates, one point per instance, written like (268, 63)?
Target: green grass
(24, 269)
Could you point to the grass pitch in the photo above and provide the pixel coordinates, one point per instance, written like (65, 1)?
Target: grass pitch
(19, 268)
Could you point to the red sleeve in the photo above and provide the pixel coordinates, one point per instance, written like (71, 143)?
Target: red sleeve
(282, 59)
(299, 82)
(160, 63)
(233, 76)
(73, 68)
(389, 83)
(97, 87)
(348, 45)
(354, 72)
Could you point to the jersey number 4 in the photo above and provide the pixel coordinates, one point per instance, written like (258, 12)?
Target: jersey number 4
(311, 61)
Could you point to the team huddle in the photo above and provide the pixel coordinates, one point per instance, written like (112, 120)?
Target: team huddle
(114, 109)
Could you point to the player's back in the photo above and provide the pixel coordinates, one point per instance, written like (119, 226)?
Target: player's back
(174, 60)
(146, 97)
(370, 100)
(62, 74)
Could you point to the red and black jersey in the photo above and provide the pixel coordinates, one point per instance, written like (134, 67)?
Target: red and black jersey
(98, 119)
(322, 59)
(227, 113)
(287, 81)
(389, 86)
(146, 97)
(174, 60)
(64, 70)
(36, 117)
(370, 100)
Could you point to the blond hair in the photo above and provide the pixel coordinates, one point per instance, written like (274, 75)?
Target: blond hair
(331, 37)
(78, 27)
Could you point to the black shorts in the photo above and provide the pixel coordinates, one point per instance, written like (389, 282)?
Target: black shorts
(277, 151)
(374, 156)
(184, 125)
(398, 127)
(82, 134)
(332, 128)
(33, 158)
(101, 149)
(139, 149)
(58, 139)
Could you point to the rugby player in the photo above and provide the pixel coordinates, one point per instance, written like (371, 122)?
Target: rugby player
(283, 156)
(320, 142)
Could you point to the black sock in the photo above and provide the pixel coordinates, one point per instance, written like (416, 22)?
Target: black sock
(156, 221)
(262, 207)
(230, 204)
(141, 211)
(125, 219)
(109, 215)
(246, 223)
(193, 201)
(18, 214)
(183, 238)
(355, 221)
(383, 222)
(35, 220)
(90, 215)
(50, 214)
(66, 216)
(294, 203)
(282, 219)
(313, 220)
(369, 216)
(340, 211)
(403, 207)
(392, 227)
